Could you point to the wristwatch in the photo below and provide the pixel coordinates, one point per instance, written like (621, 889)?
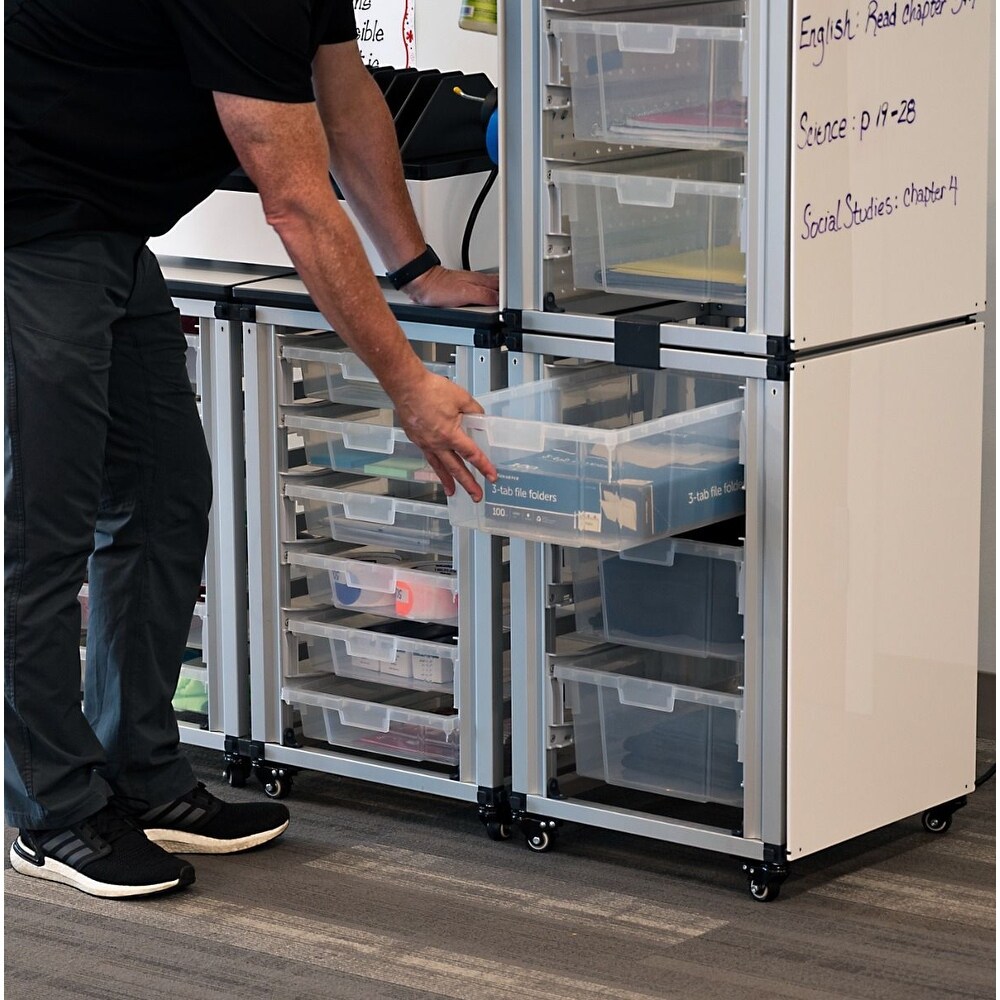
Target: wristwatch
(416, 267)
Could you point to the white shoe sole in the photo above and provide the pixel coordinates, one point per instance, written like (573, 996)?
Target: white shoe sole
(180, 842)
(55, 871)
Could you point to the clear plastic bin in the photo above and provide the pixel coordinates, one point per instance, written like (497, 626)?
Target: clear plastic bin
(581, 651)
(608, 457)
(412, 725)
(366, 443)
(339, 375)
(656, 736)
(673, 594)
(368, 513)
(397, 653)
(670, 226)
(391, 584)
(681, 84)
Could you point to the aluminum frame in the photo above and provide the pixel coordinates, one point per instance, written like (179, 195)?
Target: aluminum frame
(533, 630)
(268, 385)
(521, 30)
(225, 627)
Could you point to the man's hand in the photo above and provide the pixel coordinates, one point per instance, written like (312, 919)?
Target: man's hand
(443, 287)
(430, 411)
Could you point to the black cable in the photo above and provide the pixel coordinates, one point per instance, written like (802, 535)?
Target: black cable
(986, 775)
(473, 215)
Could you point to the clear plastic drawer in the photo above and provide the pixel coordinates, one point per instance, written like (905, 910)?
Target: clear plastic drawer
(681, 84)
(411, 725)
(364, 648)
(368, 513)
(670, 226)
(667, 738)
(390, 584)
(367, 443)
(673, 594)
(608, 457)
(339, 375)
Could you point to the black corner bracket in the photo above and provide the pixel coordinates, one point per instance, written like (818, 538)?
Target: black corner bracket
(637, 340)
(489, 338)
(510, 329)
(239, 312)
(779, 358)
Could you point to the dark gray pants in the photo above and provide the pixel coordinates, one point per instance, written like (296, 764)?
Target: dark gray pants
(106, 476)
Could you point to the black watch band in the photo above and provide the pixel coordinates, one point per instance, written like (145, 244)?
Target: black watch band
(418, 266)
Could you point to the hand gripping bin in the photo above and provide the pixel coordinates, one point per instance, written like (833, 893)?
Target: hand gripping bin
(607, 457)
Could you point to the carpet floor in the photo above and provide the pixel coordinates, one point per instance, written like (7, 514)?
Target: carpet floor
(377, 894)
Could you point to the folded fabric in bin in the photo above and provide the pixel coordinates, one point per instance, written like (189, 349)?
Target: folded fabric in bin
(672, 603)
(679, 746)
(191, 696)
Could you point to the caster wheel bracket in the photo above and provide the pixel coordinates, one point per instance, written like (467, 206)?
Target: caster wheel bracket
(764, 879)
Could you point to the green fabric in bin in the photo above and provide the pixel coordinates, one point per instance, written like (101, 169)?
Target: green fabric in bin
(191, 696)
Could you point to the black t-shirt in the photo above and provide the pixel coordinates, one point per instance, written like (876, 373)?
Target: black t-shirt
(110, 121)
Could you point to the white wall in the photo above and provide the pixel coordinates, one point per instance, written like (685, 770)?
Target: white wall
(441, 44)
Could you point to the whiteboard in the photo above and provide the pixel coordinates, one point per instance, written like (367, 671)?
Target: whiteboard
(888, 149)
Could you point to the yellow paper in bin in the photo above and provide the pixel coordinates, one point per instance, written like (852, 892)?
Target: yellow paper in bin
(725, 265)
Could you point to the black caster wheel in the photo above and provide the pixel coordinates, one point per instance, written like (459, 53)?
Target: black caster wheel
(496, 830)
(541, 841)
(764, 892)
(235, 774)
(276, 784)
(764, 879)
(936, 821)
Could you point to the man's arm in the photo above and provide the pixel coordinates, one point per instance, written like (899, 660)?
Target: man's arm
(283, 149)
(364, 157)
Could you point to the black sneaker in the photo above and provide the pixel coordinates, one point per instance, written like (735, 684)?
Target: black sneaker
(104, 855)
(199, 823)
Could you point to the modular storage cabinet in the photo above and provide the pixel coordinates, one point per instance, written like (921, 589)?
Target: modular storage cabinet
(377, 638)
(703, 290)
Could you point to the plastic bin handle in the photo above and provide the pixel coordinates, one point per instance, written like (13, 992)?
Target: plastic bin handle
(369, 437)
(353, 369)
(500, 432)
(654, 192)
(382, 648)
(361, 715)
(377, 510)
(638, 693)
(647, 38)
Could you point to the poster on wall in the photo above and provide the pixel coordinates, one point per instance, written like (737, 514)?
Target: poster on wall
(385, 32)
